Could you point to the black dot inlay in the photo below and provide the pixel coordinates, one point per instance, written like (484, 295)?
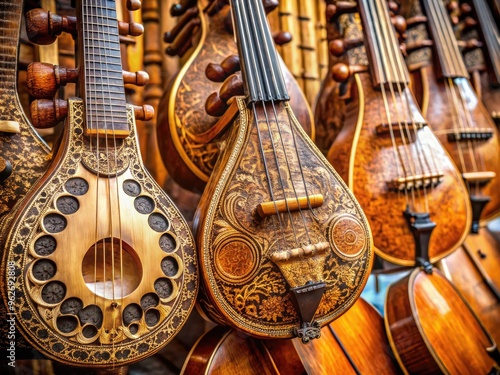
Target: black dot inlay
(152, 317)
(71, 306)
(169, 266)
(132, 313)
(167, 242)
(54, 223)
(163, 287)
(66, 324)
(158, 222)
(132, 188)
(44, 269)
(91, 314)
(67, 205)
(45, 245)
(149, 300)
(53, 292)
(76, 186)
(144, 205)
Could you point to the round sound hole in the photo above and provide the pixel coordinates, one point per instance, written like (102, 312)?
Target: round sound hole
(158, 222)
(132, 313)
(149, 300)
(45, 245)
(89, 331)
(144, 205)
(133, 328)
(132, 188)
(76, 186)
(167, 242)
(164, 287)
(169, 266)
(44, 269)
(67, 205)
(53, 292)
(92, 314)
(106, 259)
(54, 223)
(71, 306)
(66, 324)
(152, 317)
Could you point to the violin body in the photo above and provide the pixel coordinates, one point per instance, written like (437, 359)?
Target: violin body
(366, 162)
(432, 330)
(360, 330)
(244, 287)
(182, 108)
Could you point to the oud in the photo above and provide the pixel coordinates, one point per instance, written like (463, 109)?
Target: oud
(283, 245)
(401, 175)
(103, 264)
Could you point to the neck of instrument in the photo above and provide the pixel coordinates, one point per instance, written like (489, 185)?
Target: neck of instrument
(491, 37)
(448, 54)
(386, 62)
(259, 61)
(103, 91)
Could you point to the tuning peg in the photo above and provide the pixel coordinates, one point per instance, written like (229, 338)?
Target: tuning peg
(270, 5)
(410, 47)
(340, 7)
(169, 36)
(214, 106)
(139, 78)
(232, 86)
(46, 113)
(5, 169)
(338, 47)
(180, 8)
(43, 27)
(219, 72)
(43, 79)
(399, 23)
(414, 21)
(130, 28)
(183, 41)
(468, 45)
(340, 72)
(393, 7)
(465, 8)
(282, 37)
(144, 112)
(133, 5)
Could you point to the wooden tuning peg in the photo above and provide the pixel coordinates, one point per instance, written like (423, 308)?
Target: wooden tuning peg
(5, 169)
(183, 41)
(333, 11)
(282, 37)
(144, 112)
(139, 78)
(170, 36)
(43, 79)
(232, 86)
(214, 106)
(130, 28)
(414, 21)
(468, 45)
(270, 5)
(410, 47)
(178, 9)
(43, 27)
(465, 8)
(46, 113)
(338, 47)
(133, 5)
(219, 72)
(393, 7)
(399, 23)
(340, 72)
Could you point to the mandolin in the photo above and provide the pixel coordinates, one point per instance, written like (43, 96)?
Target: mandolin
(401, 175)
(283, 245)
(99, 268)
(186, 116)
(356, 343)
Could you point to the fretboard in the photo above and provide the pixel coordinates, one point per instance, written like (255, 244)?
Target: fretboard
(491, 38)
(386, 62)
(450, 59)
(104, 96)
(259, 61)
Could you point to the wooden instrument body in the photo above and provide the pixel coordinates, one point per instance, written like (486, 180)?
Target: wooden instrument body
(461, 270)
(243, 287)
(431, 328)
(442, 120)
(182, 108)
(22, 147)
(81, 296)
(366, 162)
(360, 330)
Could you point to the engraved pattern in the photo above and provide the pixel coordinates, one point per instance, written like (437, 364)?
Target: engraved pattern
(263, 305)
(96, 337)
(421, 56)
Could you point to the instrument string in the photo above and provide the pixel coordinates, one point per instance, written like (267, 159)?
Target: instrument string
(266, 48)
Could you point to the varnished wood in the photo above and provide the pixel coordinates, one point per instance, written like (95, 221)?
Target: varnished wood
(432, 329)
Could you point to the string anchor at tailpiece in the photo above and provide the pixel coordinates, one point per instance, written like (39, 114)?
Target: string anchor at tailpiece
(421, 227)
(306, 299)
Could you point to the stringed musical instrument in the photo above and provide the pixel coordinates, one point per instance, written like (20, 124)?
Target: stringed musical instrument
(456, 115)
(187, 118)
(356, 343)
(283, 245)
(103, 265)
(401, 175)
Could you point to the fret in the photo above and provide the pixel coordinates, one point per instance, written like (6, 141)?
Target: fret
(450, 59)
(260, 65)
(104, 95)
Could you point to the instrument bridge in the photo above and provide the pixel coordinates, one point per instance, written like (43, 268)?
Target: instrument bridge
(418, 181)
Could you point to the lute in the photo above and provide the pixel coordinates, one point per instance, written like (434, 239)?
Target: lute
(99, 265)
(284, 246)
